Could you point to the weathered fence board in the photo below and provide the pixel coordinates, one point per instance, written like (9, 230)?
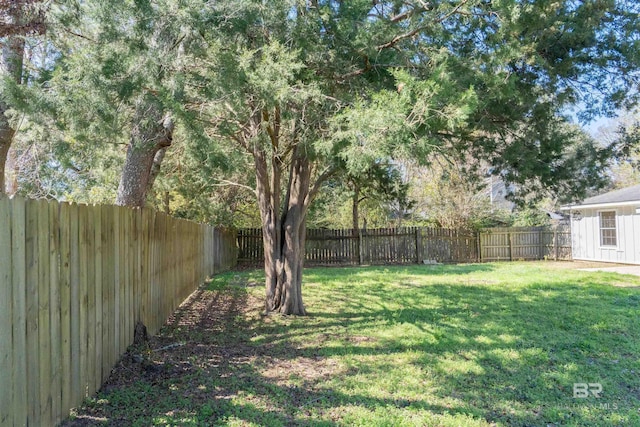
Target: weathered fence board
(44, 317)
(417, 245)
(448, 245)
(525, 243)
(65, 298)
(6, 313)
(33, 367)
(54, 312)
(85, 256)
(19, 311)
(74, 280)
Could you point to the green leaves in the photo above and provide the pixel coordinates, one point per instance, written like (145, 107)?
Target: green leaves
(355, 83)
(272, 74)
(405, 123)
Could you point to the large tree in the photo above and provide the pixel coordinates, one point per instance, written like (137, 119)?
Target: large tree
(113, 75)
(304, 87)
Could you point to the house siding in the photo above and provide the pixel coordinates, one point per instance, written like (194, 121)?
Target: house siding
(586, 235)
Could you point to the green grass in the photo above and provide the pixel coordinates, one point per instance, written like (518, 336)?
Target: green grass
(468, 345)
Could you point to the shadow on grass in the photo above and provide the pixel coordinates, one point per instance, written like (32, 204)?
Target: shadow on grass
(487, 354)
(504, 356)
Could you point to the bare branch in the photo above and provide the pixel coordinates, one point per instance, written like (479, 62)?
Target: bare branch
(82, 36)
(326, 174)
(415, 31)
(453, 12)
(226, 183)
(367, 67)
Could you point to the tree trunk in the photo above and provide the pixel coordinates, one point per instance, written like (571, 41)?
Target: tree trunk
(12, 170)
(355, 202)
(156, 165)
(5, 144)
(288, 295)
(283, 236)
(152, 132)
(10, 65)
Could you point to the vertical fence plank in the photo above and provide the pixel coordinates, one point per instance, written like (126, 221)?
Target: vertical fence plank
(65, 307)
(116, 342)
(137, 264)
(97, 293)
(145, 254)
(83, 252)
(107, 285)
(136, 269)
(112, 287)
(55, 312)
(90, 242)
(131, 272)
(44, 316)
(155, 263)
(75, 262)
(33, 365)
(126, 259)
(6, 314)
(122, 301)
(19, 312)
(124, 297)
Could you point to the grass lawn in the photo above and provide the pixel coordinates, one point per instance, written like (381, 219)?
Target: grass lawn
(467, 345)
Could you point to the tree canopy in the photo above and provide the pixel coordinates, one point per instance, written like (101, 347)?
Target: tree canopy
(296, 92)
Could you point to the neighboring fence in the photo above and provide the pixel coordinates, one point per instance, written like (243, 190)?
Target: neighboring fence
(403, 245)
(525, 243)
(74, 280)
(412, 245)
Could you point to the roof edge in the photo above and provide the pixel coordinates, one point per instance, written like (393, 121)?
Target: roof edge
(600, 205)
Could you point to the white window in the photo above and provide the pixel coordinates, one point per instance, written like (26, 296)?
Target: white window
(608, 233)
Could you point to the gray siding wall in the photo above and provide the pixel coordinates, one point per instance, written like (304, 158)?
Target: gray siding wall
(585, 231)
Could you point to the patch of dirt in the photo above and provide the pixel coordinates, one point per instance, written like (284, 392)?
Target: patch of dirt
(205, 335)
(309, 370)
(203, 358)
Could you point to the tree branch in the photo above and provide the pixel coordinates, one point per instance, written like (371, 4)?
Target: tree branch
(226, 183)
(73, 33)
(400, 37)
(367, 67)
(415, 31)
(321, 179)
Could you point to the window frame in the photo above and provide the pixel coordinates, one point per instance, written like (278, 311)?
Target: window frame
(601, 229)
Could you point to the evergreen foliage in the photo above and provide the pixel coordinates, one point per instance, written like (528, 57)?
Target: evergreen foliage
(278, 97)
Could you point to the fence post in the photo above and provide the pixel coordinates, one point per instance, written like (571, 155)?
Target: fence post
(479, 242)
(510, 246)
(540, 243)
(555, 243)
(360, 247)
(418, 244)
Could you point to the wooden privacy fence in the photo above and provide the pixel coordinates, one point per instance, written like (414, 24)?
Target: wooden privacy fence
(74, 280)
(525, 243)
(403, 245)
(417, 245)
